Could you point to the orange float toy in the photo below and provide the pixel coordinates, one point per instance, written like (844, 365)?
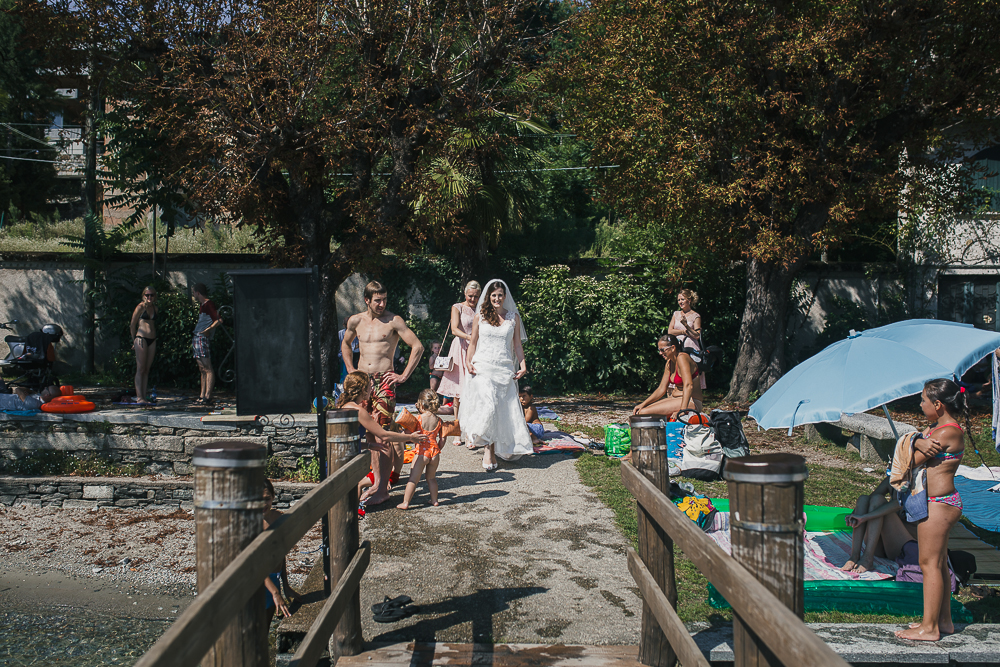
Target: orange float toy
(68, 403)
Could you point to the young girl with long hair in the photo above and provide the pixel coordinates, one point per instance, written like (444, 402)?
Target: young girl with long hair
(357, 389)
(943, 403)
(427, 454)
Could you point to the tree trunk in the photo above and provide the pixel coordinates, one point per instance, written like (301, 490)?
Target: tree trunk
(307, 203)
(761, 359)
(92, 207)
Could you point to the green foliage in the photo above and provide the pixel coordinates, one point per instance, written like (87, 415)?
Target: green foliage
(26, 100)
(438, 283)
(306, 471)
(565, 217)
(59, 463)
(590, 333)
(273, 469)
(99, 245)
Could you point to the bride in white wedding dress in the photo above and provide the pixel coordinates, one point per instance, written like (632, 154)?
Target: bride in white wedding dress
(490, 413)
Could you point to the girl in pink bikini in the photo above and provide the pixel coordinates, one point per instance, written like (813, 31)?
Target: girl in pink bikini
(943, 403)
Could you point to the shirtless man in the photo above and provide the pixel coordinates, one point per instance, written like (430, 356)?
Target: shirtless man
(379, 331)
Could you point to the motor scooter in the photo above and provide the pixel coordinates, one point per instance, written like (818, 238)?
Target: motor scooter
(30, 359)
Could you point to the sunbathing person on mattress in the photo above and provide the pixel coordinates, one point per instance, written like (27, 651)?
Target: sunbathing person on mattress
(878, 526)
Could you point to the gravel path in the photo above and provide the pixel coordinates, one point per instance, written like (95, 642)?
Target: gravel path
(527, 554)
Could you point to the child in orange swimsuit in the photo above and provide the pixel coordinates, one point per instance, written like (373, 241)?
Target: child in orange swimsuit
(426, 453)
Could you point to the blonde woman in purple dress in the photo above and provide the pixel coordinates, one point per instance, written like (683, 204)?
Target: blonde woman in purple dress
(462, 315)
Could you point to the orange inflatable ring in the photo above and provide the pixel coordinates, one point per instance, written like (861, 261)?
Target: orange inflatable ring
(68, 405)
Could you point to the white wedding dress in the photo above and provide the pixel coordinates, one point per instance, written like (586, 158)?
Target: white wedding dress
(490, 411)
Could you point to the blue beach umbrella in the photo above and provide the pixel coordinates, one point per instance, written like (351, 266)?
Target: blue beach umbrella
(871, 368)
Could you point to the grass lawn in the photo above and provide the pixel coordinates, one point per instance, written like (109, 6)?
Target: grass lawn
(827, 485)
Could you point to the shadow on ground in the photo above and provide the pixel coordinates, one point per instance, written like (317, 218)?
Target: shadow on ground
(479, 608)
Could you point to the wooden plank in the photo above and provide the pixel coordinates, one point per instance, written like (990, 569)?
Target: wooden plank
(343, 442)
(499, 655)
(194, 632)
(649, 456)
(786, 635)
(305, 613)
(316, 639)
(677, 633)
(987, 557)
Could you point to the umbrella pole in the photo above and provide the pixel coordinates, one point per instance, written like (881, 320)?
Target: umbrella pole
(895, 433)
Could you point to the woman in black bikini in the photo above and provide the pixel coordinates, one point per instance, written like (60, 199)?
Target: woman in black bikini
(679, 373)
(143, 329)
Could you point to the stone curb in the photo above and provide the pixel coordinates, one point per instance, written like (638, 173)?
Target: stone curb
(862, 643)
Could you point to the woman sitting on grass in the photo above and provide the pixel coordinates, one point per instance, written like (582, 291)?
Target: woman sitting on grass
(681, 371)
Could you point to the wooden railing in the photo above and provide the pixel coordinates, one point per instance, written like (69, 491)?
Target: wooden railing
(771, 628)
(221, 603)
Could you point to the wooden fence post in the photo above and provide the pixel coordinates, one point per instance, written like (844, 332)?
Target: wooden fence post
(656, 549)
(765, 505)
(229, 514)
(342, 446)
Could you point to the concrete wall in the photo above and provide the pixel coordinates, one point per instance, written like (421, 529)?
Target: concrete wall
(50, 289)
(814, 294)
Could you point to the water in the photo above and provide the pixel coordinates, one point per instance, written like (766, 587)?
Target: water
(80, 639)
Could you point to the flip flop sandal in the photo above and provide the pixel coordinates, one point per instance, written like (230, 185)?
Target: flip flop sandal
(411, 609)
(391, 603)
(390, 615)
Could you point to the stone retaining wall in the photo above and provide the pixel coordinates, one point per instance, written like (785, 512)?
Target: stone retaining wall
(162, 441)
(94, 492)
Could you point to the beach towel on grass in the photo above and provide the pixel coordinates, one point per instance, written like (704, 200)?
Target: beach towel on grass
(557, 441)
(825, 553)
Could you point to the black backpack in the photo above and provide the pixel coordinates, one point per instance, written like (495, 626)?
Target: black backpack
(729, 432)
(963, 564)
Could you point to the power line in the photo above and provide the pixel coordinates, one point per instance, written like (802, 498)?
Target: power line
(28, 159)
(23, 134)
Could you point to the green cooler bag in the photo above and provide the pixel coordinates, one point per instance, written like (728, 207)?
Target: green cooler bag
(617, 439)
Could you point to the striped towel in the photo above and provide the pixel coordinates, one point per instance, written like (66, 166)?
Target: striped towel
(825, 553)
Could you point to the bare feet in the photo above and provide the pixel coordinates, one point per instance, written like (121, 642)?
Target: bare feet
(861, 569)
(402, 506)
(434, 504)
(941, 628)
(377, 499)
(919, 634)
(848, 566)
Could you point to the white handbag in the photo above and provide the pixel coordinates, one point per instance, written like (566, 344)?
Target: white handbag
(444, 363)
(702, 457)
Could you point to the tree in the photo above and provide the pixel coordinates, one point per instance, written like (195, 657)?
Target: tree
(321, 123)
(27, 161)
(769, 132)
